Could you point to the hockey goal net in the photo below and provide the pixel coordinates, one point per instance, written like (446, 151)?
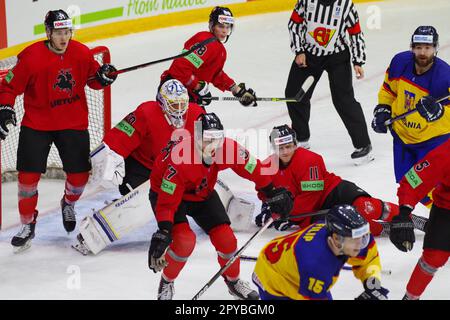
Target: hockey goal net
(99, 104)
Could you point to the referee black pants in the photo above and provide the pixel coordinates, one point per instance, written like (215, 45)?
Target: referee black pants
(339, 69)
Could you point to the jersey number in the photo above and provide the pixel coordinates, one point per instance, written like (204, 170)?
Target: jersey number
(315, 285)
(274, 250)
(172, 172)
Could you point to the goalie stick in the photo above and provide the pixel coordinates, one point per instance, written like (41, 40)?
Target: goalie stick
(404, 115)
(298, 97)
(143, 65)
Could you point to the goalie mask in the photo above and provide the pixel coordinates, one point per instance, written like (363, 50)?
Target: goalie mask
(209, 136)
(174, 101)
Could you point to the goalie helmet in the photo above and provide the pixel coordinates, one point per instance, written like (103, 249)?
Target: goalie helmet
(57, 19)
(174, 101)
(425, 35)
(282, 135)
(221, 15)
(345, 221)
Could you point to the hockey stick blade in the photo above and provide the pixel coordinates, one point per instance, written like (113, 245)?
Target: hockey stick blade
(404, 115)
(305, 87)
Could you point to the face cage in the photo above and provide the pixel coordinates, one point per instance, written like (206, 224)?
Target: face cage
(176, 115)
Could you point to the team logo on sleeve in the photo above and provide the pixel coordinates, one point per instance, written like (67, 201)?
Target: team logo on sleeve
(322, 35)
(64, 82)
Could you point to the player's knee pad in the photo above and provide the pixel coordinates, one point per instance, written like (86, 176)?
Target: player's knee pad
(433, 259)
(183, 242)
(223, 239)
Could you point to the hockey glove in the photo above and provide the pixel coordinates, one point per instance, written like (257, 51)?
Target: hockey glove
(264, 216)
(108, 167)
(104, 76)
(430, 109)
(381, 113)
(7, 116)
(161, 240)
(203, 94)
(402, 230)
(280, 202)
(246, 96)
(282, 225)
(373, 290)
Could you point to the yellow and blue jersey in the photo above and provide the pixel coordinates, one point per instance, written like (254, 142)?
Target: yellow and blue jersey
(301, 265)
(403, 88)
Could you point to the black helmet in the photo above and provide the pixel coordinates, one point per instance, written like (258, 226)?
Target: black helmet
(345, 221)
(210, 121)
(281, 135)
(221, 15)
(426, 35)
(57, 19)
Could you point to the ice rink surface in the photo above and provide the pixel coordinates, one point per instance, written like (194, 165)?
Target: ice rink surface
(259, 55)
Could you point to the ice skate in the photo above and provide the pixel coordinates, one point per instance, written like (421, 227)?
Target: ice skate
(81, 246)
(22, 240)
(362, 155)
(241, 290)
(68, 215)
(166, 290)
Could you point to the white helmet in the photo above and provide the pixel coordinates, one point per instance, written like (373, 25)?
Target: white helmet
(174, 101)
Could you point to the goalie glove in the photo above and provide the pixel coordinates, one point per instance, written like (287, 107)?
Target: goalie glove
(161, 240)
(373, 290)
(108, 167)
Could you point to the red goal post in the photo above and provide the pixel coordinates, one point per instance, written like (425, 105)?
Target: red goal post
(99, 104)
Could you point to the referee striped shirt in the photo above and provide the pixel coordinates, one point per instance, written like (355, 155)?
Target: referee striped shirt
(320, 27)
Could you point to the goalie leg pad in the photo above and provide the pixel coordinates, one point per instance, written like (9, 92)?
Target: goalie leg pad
(224, 193)
(240, 212)
(94, 237)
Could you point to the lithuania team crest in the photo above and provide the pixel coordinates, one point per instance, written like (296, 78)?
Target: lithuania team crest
(64, 81)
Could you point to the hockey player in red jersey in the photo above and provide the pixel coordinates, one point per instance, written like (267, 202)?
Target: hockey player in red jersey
(431, 171)
(130, 148)
(182, 183)
(205, 65)
(304, 174)
(52, 75)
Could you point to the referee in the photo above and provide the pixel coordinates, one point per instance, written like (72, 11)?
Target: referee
(318, 31)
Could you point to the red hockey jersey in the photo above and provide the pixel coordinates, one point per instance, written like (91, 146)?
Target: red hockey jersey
(206, 63)
(432, 171)
(191, 180)
(143, 133)
(307, 178)
(53, 86)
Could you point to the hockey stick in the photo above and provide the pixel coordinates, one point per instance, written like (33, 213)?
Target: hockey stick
(298, 97)
(404, 115)
(143, 65)
(232, 260)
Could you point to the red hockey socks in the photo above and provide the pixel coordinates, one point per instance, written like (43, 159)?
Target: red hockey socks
(424, 271)
(75, 184)
(180, 249)
(225, 242)
(28, 195)
(375, 209)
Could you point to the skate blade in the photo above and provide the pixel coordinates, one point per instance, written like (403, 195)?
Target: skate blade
(363, 160)
(81, 249)
(20, 249)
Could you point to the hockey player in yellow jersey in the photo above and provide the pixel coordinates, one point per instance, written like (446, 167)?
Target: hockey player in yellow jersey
(304, 265)
(415, 79)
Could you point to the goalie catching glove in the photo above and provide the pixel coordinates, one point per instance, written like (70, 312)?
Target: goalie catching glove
(246, 96)
(161, 240)
(108, 167)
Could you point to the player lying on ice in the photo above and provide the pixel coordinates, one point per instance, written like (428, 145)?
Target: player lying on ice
(304, 265)
(304, 174)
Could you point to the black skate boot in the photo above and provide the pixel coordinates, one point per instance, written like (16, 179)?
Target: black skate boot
(241, 290)
(22, 240)
(362, 155)
(166, 289)
(68, 215)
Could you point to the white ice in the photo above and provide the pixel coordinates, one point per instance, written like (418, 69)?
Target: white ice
(259, 55)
